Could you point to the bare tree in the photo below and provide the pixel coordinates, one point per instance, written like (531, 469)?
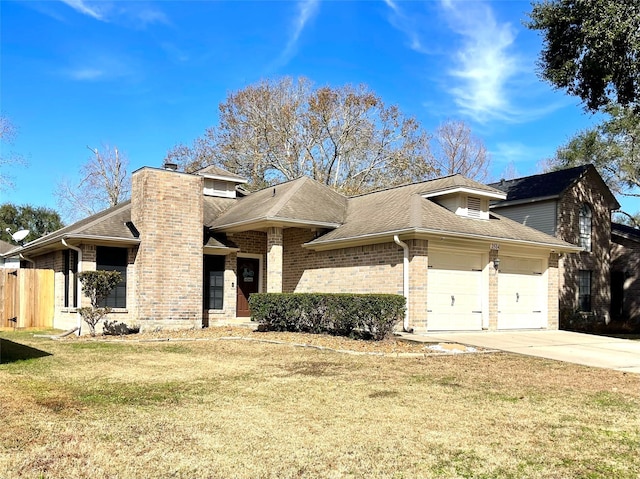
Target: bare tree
(457, 150)
(8, 157)
(510, 172)
(344, 137)
(104, 182)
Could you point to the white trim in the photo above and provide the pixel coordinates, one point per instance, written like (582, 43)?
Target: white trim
(465, 189)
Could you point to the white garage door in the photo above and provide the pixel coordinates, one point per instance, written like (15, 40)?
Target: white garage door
(454, 292)
(522, 302)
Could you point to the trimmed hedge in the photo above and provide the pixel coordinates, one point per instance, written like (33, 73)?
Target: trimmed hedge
(368, 315)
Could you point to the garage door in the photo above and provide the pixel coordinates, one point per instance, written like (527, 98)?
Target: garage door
(522, 300)
(454, 292)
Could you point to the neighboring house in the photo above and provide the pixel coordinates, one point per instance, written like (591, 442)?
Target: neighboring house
(625, 273)
(574, 205)
(8, 261)
(193, 247)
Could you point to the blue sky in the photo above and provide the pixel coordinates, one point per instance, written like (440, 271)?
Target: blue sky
(145, 75)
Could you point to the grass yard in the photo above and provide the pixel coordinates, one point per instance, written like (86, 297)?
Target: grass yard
(238, 409)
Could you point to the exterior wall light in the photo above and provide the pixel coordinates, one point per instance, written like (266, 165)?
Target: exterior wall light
(496, 263)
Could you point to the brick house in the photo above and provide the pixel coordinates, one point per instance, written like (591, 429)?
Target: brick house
(625, 273)
(574, 205)
(193, 247)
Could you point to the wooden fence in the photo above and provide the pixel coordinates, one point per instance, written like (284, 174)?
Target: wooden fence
(27, 298)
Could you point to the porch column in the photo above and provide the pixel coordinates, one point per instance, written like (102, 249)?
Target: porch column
(274, 260)
(493, 290)
(418, 283)
(553, 276)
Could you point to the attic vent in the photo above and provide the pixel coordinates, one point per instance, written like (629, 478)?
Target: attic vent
(473, 207)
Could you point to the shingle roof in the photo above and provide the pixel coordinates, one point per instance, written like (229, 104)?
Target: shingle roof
(625, 231)
(110, 223)
(216, 171)
(551, 184)
(302, 200)
(214, 206)
(5, 247)
(403, 209)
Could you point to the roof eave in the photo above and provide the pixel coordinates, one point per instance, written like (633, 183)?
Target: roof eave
(498, 195)
(430, 233)
(219, 250)
(256, 224)
(224, 178)
(45, 245)
(523, 201)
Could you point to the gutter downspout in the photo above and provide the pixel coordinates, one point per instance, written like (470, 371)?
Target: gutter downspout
(405, 281)
(79, 285)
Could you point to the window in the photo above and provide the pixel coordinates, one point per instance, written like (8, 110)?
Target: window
(585, 227)
(213, 282)
(114, 259)
(70, 278)
(584, 291)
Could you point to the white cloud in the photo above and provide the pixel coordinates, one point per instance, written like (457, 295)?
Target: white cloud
(484, 64)
(92, 66)
(86, 74)
(91, 9)
(133, 14)
(518, 153)
(408, 25)
(306, 9)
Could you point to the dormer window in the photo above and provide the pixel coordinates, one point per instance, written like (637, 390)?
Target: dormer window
(585, 227)
(474, 207)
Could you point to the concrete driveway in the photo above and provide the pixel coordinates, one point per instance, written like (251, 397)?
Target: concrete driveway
(578, 348)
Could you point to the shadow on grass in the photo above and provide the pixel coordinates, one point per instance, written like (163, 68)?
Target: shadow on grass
(11, 352)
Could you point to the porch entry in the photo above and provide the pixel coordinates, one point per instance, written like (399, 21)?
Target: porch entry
(248, 282)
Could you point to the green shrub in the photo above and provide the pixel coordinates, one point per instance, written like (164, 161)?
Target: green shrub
(96, 285)
(369, 315)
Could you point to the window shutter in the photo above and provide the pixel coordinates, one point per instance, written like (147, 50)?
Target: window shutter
(473, 207)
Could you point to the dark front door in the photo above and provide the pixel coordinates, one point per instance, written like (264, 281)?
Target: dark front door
(248, 272)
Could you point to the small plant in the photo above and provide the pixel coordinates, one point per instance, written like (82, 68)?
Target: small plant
(97, 285)
(113, 328)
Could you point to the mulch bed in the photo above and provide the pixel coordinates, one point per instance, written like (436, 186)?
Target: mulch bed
(394, 346)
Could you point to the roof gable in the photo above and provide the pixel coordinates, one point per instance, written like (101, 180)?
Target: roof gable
(549, 185)
(404, 209)
(301, 201)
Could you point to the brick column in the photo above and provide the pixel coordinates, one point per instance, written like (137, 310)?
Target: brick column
(167, 209)
(418, 278)
(274, 260)
(553, 318)
(493, 291)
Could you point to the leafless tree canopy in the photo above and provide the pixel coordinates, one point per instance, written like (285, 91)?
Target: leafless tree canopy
(457, 150)
(104, 182)
(344, 137)
(8, 157)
